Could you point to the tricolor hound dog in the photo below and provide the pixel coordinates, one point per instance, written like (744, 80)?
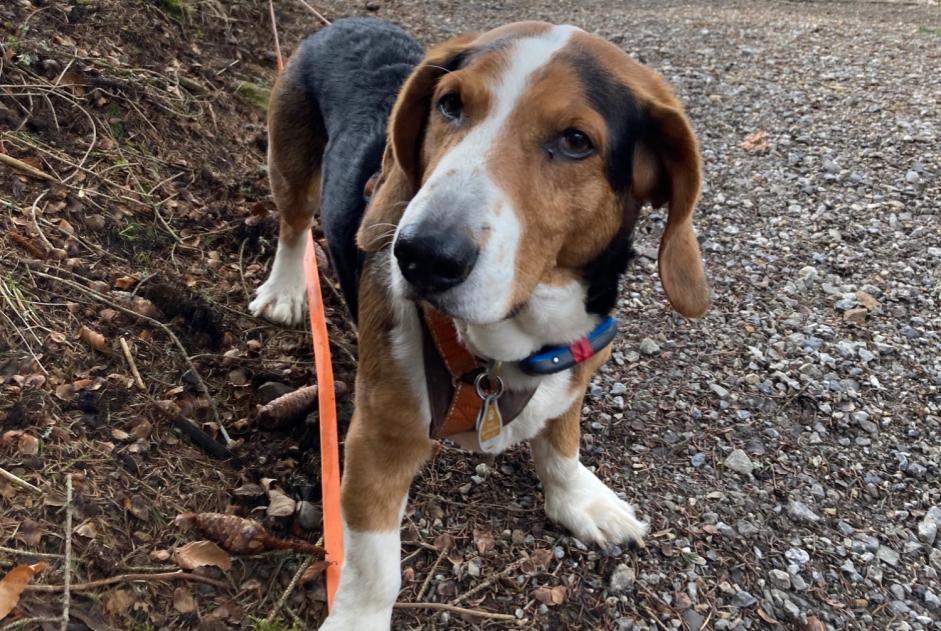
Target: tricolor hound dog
(507, 170)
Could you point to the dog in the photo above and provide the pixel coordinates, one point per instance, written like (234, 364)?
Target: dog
(505, 172)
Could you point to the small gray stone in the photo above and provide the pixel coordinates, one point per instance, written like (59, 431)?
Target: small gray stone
(743, 600)
(845, 529)
(888, 555)
(622, 579)
(792, 610)
(932, 600)
(726, 530)
(698, 459)
(798, 511)
(739, 462)
(779, 579)
(798, 556)
(649, 347)
(719, 391)
(798, 582)
(618, 388)
(693, 619)
(928, 527)
(899, 607)
(309, 515)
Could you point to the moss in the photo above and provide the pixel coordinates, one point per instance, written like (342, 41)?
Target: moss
(255, 93)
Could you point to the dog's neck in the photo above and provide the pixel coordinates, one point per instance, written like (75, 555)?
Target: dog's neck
(553, 315)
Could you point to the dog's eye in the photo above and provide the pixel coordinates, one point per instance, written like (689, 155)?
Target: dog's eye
(575, 144)
(450, 106)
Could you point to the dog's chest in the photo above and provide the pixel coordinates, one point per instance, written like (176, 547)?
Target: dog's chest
(553, 395)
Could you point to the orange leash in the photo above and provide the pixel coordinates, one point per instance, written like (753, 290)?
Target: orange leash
(329, 446)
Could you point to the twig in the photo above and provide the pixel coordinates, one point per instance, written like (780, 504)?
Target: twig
(277, 42)
(27, 622)
(28, 169)
(27, 553)
(127, 578)
(133, 365)
(289, 589)
(655, 618)
(176, 341)
(210, 445)
(18, 480)
(490, 581)
(480, 613)
(315, 12)
(431, 573)
(67, 586)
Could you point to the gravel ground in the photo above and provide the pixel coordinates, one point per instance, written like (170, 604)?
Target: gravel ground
(785, 448)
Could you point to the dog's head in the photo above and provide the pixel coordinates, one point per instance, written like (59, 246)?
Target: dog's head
(519, 159)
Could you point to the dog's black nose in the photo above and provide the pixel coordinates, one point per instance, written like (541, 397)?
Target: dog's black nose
(434, 259)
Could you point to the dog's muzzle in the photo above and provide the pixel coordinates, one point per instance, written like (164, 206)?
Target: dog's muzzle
(434, 258)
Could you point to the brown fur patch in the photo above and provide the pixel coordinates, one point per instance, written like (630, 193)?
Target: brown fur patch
(296, 141)
(388, 438)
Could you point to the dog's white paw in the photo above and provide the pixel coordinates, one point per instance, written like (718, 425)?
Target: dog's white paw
(283, 297)
(592, 512)
(340, 621)
(280, 302)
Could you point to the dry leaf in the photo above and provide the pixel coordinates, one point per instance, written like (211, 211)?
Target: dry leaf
(136, 506)
(13, 584)
(125, 282)
(484, 541)
(550, 595)
(87, 530)
(30, 532)
(249, 490)
(755, 141)
(119, 601)
(28, 445)
(94, 339)
(313, 570)
(160, 555)
(867, 300)
(764, 615)
(183, 600)
(444, 542)
(200, 553)
(813, 624)
(280, 505)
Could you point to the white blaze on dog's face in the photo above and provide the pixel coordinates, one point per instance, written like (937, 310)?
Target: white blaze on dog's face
(530, 150)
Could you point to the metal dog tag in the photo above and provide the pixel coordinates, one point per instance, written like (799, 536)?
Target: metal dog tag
(489, 420)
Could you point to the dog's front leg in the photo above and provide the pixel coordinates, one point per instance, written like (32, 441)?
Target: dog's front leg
(382, 458)
(575, 497)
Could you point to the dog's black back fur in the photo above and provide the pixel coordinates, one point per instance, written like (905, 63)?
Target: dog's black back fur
(352, 71)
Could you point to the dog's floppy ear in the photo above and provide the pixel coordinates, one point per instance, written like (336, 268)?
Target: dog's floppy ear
(666, 170)
(401, 162)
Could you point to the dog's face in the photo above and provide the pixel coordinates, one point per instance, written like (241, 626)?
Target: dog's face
(522, 155)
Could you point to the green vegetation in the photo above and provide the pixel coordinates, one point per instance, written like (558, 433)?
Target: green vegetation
(930, 30)
(255, 93)
(260, 624)
(179, 10)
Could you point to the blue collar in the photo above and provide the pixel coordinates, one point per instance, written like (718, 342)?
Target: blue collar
(552, 359)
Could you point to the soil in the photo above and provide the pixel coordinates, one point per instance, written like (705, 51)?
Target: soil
(785, 448)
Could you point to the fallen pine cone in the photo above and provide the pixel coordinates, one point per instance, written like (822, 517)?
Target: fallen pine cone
(242, 536)
(292, 406)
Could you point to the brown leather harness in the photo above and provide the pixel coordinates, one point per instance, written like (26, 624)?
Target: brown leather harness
(452, 374)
